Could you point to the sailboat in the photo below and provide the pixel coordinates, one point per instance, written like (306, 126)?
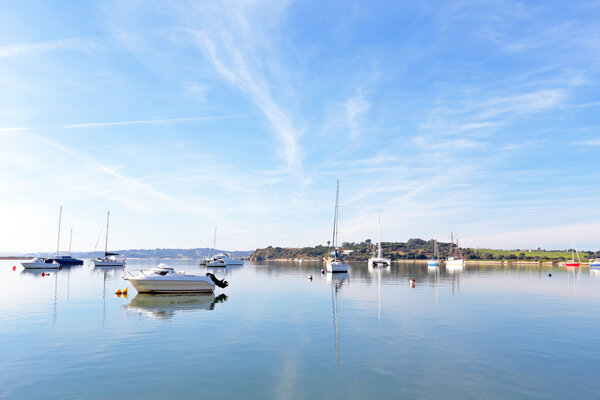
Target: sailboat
(221, 259)
(335, 263)
(64, 261)
(434, 262)
(206, 260)
(572, 262)
(454, 259)
(110, 259)
(379, 260)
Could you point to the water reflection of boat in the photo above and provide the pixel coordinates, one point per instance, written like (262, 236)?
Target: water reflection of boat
(336, 280)
(454, 269)
(164, 306)
(595, 272)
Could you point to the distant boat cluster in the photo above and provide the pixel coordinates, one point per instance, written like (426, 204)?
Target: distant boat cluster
(336, 264)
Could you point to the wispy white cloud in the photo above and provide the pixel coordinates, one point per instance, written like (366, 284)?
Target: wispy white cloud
(590, 142)
(355, 107)
(16, 129)
(79, 44)
(233, 63)
(150, 121)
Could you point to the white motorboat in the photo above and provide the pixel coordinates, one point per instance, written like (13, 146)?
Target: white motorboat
(163, 279)
(109, 259)
(335, 263)
(595, 263)
(379, 261)
(40, 263)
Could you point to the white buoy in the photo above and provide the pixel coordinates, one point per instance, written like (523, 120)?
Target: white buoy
(310, 277)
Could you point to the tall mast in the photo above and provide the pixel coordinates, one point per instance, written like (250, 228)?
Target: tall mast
(335, 217)
(59, 221)
(379, 237)
(214, 243)
(70, 241)
(106, 241)
(451, 244)
(435, 248)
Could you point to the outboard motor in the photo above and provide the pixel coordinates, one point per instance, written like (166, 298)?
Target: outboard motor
(220, 283)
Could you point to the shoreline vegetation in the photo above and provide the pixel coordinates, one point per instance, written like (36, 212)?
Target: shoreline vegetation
(419, 250)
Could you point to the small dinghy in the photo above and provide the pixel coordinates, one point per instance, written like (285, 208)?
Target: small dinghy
(163, 279)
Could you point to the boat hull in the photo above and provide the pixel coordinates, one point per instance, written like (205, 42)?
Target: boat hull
(153, 285)
(455, 263)
(433, 263)
(235, 262)
(379, 262)
(595, 265)
(67, 261)
(40, 265)
(572, 264)
(216, 264)
(109, 263)
(337, 266)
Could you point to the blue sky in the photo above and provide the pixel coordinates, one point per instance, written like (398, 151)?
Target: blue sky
(479, 117)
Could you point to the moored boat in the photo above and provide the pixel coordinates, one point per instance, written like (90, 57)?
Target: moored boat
(40, 263)
(380, 260)
(335, 263)
(109, 259)
(454, 260)
(572, 262)
(595, 263)
(434, 261)
(164, 279)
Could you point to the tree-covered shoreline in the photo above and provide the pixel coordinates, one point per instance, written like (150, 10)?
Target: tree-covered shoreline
(414, 249)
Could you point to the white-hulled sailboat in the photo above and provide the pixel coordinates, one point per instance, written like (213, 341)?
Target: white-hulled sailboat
(454, 258)
(379, 260)
(435, 260)
(335, 263)
(110, 259)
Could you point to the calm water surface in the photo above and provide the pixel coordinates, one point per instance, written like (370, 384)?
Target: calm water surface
(492, 332)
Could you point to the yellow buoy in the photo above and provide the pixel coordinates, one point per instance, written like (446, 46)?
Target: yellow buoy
(125, 290)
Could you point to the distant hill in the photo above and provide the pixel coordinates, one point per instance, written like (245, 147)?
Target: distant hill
(147, 253)
(413, 249)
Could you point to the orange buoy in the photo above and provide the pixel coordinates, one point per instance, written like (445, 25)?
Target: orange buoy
(118, 292)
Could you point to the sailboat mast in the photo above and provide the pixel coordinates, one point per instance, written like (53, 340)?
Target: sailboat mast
(59, 221)
(379, 237)
(70, 241)
(106, 241)
(214, 243)
(451, 244)
(435, 248)
(335, 220)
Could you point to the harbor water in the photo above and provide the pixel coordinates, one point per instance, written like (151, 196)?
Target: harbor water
(482, 332)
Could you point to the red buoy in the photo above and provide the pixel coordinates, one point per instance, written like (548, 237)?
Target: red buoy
(14, 267)
(43, 274)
